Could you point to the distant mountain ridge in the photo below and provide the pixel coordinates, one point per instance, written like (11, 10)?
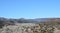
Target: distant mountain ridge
(22, 20)
(11, 21)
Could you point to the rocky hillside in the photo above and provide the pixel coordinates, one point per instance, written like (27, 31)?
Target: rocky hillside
(38, 25)
(30, 28)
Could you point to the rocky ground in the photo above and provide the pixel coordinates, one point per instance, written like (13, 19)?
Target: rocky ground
(29, 28)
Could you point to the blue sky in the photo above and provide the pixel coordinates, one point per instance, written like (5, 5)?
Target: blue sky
(29, 8)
